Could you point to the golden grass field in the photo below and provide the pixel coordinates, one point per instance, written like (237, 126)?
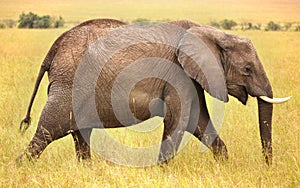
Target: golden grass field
(200, 11)
(22, 51)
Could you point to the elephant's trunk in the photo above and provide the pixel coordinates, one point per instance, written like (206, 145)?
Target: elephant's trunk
(265, 111)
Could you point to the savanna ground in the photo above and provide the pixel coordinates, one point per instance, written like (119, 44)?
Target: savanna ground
(22, 51)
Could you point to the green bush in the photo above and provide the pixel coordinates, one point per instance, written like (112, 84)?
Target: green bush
(272, 26)
(214, 24)
(228, 24)
(297, 28)
(42, 22)
(2, 25)
(27, 20)
(32, 20)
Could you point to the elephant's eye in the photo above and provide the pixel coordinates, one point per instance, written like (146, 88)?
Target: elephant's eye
(248, 69)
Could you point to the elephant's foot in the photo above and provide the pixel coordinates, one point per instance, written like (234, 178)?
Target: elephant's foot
(216, 145)
(168, 150)
(164, 158)
(28, 155)
(169, 147)
(37, 145)
(20, 159)
(219, 150)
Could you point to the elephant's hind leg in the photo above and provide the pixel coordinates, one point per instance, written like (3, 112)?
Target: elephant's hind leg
(173, 130)
(171, 139)
(82, 143)
(53, 124)
(39, 142)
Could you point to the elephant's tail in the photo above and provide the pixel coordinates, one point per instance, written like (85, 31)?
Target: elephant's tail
(44, 67)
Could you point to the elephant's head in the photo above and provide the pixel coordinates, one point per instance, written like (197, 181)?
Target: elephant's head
(227, 64)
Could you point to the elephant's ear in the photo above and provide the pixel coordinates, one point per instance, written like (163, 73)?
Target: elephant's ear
(196, 53)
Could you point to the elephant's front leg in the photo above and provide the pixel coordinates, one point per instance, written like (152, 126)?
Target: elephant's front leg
(206, 132)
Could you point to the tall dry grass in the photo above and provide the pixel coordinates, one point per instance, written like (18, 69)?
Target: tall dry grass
(22, 51)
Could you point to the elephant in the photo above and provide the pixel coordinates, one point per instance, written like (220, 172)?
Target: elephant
(112, 75)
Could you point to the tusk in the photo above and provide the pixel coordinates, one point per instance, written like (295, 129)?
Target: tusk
(275, 100)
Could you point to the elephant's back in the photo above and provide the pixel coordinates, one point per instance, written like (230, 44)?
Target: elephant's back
(67, 51)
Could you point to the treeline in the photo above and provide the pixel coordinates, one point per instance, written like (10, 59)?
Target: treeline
(32, 20)
(227, 24)
(270, 26)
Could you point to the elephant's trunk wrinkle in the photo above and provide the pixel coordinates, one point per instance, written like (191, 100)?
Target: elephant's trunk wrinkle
(265, 111)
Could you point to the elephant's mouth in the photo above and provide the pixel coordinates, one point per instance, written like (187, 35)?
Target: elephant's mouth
(238, 91)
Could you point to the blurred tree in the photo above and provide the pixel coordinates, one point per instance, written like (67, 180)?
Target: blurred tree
(228, 24)
(272, 26)
(214, 24)
(42, 22)
(32, 20)
(27, 20)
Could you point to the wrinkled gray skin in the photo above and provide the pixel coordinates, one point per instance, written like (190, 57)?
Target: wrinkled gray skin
(237, 58)
(61, 62)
